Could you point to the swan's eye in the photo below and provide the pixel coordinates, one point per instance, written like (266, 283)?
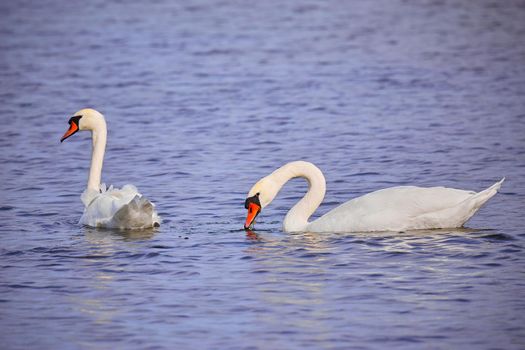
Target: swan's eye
(75, 119)
(253, 199)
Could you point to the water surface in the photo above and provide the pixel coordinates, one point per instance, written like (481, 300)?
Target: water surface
(204, 98)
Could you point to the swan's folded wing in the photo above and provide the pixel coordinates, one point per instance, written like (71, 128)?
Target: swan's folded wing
(411, 200)
(88, 196)
(138, 213)
(118, 208)
(390, 209)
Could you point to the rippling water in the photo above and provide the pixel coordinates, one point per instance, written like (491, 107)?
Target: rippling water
(202, 100)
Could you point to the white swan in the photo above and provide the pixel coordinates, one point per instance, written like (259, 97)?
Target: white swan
(391, 209)
(109, 207)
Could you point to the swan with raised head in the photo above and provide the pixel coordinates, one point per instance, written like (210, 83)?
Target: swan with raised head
(390, 209)
(123, 208)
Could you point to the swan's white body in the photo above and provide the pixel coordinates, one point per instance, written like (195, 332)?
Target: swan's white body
(123, 208)
(391, 209)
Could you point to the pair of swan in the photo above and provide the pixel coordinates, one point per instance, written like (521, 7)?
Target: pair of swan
(391, 209)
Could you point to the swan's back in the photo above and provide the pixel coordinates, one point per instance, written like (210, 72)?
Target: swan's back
(123, 208)
(404, 208)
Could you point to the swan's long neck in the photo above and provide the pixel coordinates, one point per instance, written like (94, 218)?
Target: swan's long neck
(297, 218)
(99, 135)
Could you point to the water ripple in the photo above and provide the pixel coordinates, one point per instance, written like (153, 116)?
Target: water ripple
(203, 99)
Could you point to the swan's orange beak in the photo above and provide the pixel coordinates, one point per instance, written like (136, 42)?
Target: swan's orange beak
(253, 210)
(73, 128)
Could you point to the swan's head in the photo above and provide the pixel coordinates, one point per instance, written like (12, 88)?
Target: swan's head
(260, 195)
(85, 119)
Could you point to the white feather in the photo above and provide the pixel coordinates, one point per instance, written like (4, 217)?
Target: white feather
(123, 208)
(391, 209)
(118, 208)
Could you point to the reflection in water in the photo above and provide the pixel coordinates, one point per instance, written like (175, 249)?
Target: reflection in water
(99, 235)
(252, 235)
(104, 245)
(292, 264)
(299, 271)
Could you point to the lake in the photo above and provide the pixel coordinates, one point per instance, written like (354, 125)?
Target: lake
(202, 99)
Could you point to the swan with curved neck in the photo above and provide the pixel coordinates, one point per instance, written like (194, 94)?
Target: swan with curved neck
(108, 207)
(391, 209)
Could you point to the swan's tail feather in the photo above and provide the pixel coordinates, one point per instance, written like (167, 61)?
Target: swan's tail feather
(474, 203)
(459, 214)
(138, 213)
(483, 196)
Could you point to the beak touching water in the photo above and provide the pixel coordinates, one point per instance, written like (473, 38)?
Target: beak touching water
(253, 211)
(254, 208)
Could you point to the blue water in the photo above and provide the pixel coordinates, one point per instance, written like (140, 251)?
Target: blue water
(204, 98)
